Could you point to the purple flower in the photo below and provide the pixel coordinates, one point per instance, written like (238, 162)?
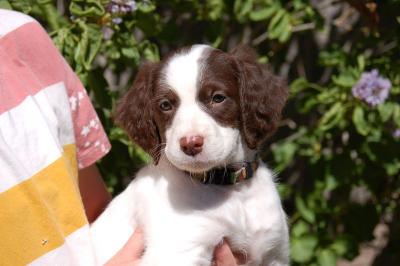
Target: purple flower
(396, 133)
(120, 8)
(131, 5)
(107, 33)
(124, 9)
(117, 20)
(114, 8)
(372, 88)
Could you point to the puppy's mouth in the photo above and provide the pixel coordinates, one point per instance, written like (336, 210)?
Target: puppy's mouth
(195, 166)
(198, 163)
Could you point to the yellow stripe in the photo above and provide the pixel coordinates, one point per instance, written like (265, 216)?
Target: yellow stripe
(37, 214)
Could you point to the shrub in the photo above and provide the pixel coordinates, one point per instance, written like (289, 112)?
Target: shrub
(338, 147)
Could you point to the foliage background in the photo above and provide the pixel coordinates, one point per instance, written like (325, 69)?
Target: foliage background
(338, 157)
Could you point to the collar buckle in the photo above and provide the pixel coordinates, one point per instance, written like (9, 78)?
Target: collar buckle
(230, 175)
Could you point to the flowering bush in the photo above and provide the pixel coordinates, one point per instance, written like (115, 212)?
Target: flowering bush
(120, 8)
(338, 147)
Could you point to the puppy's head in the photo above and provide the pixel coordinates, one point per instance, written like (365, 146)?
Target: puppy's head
(202, 107)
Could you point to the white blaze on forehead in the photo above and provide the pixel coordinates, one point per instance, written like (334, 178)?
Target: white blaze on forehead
(221, 144)
(182, 73)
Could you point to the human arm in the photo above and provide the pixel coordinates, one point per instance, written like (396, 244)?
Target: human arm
(95, 196)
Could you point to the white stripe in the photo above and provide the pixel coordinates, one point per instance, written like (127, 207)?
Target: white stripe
(33, 133)
(54, 104)
(11, 20)
(187, 65)
(77, 250)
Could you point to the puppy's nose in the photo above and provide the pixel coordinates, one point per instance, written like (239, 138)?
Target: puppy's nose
(191, 145)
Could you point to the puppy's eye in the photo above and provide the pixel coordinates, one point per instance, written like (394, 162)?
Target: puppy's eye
(218, 98)
(165, 105)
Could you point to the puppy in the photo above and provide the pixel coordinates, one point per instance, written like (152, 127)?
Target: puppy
(201, 114)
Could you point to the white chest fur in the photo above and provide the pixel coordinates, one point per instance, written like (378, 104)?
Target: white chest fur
(183, 220)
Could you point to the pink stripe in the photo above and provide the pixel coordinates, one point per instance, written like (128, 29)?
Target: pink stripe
(29, 62)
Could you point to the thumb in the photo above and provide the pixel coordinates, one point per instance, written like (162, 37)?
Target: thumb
(131, 252)
(135, 244)
(224, 256)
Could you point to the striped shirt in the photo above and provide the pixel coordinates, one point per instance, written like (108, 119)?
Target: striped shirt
(48, 130)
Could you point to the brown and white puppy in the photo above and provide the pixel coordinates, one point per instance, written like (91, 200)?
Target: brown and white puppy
(197, 111)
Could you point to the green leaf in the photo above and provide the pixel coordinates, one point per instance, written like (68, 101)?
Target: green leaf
(286, 33)
(119, 134)
(264, 13)
(95, 38)
(396, 115)
(331, 182)
(393, 167)
(86, 8)
(150, 51)
(332, 117)
(99, 87)
(242, 8)
(299, 4)
(309, 103)
(359, 121)
(284, 190)
(326, 258)
(51, 15)
(361, 62)
(21, 5)
(395, 90)
(276, 18)
(263, 59)
(300, 228)
(385, 111)
(340, 246)
(88, 46)
(4, 4)
(345, 79)
(138, 153)
(332, 58)
(146, 6)
(283, 154)
(278, 23)
(131, 53)
(302, 248)
(304, 211)
(215, 9)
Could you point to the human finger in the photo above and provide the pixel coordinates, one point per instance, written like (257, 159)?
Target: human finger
(223, 255)
(131, 252)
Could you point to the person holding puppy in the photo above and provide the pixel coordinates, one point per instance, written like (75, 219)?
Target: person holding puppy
(50, 139)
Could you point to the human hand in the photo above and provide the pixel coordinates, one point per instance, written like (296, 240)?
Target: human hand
(131, 253)
(223, 256)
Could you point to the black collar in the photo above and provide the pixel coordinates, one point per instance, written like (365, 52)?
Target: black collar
(229, 175)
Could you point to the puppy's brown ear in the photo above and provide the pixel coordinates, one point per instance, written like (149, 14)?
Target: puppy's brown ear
(262, 97)
(134, 112)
